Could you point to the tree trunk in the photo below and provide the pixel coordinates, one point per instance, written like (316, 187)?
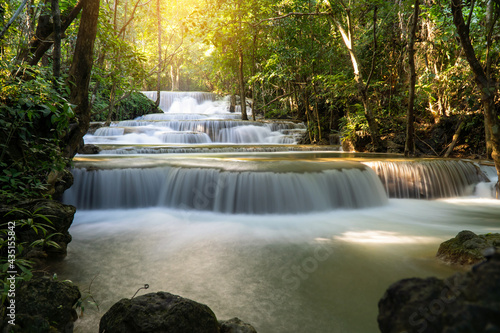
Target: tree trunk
(13, 18)
(174, 76)
(40, 45)
(158, 78)
(232, 105)
(242, 86)
(56, 51)
(79, 76)
(486, 83)
(347, 37)
(410, 117)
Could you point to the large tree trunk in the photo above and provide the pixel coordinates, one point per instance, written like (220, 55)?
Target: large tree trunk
(56, 52)
(410, 116)
(485, 82)
(79, 76)
(42, 42)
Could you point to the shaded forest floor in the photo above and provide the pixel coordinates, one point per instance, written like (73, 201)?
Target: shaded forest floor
(434, 139)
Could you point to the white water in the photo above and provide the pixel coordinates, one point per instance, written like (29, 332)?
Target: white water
(195, 118)
(320, 272)
(227, 192)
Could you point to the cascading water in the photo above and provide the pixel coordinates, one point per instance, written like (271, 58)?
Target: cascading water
(428, 179)
(191, 118)
(290, 241)
(280, 187)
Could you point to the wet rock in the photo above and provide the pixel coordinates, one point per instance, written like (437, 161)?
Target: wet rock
(159, 312)
(235, 325)
(89, 149)
(40, 211)
(464, 302)
(467, 248)
(42, 305)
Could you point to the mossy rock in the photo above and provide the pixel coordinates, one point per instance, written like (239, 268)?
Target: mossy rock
(159, 312)
(467, 248)
(43, 305)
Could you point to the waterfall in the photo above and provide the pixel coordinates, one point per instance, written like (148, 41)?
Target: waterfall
(169, 98)
(224, 191)
(208, 130)
(427, 179)
(212, 149)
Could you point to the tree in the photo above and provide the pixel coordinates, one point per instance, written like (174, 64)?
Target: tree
(79, 76)
(410, 117)
(484, 78)
(346, 28)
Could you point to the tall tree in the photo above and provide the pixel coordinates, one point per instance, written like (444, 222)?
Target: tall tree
(79, 76)
(56, 52)
(485, 79)
(345, 26)
(410, 117)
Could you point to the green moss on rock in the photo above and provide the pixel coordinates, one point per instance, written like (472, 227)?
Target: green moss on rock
(467, 248)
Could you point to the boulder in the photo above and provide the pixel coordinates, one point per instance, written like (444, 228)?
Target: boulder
(37, 212)
(235, 325)
(29, 215)
(467, 248)
(89, 149)
(159, 312)
(464, 302)
(42, 305)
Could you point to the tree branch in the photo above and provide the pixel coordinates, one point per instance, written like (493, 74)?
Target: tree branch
(291, 14)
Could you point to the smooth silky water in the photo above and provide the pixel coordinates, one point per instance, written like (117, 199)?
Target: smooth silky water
(322, 268)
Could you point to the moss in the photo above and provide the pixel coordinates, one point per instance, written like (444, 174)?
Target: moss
(467, 247)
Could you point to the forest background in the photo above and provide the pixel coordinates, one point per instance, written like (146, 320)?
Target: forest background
(392, 76)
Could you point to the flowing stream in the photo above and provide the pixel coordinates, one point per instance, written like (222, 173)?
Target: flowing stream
(283, 236)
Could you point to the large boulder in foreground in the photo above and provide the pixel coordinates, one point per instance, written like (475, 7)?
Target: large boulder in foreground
(464, 302)
(159, 312)
(467, 248)
(42, 305)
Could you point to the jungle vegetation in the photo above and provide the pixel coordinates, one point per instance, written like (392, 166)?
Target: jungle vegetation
(418, 77)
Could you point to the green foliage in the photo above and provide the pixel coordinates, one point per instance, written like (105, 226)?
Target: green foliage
(34, 117)
(131, 107)
(13, 248)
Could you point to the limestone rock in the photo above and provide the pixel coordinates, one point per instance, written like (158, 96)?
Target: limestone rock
(59, 214)
(89, 149)
(464, 302)
(43, 305)
(159, 312)
(467, 248)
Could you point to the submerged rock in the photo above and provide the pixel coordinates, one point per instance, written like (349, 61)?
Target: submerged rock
(42, 305)
(159, 312)
(235, 325)
(464, 302)
(467, 248)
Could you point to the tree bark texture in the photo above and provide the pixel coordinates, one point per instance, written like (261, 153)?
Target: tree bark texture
(56, 52)
(486, 84)
(79, 76)
(41, 44)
